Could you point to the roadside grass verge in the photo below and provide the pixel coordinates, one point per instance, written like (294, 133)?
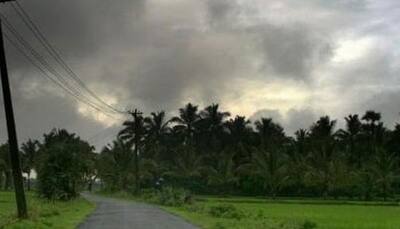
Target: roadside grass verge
(43, 214)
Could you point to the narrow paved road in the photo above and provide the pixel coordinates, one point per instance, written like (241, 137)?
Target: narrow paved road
(118, 214)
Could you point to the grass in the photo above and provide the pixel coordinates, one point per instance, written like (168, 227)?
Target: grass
(286, 213)
(43, 214)
(261, 213)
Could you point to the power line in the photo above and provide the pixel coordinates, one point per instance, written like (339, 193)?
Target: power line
(55, 53)
(45, 64)
(47, 75)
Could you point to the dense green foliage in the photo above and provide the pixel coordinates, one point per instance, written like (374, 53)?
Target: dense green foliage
(63, 163)
(206, 152)
(43, 214)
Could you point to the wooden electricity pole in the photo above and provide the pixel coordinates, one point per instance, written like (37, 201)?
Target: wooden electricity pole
(136, 114)
(12, 133)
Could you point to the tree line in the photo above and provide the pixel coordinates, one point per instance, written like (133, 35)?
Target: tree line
(209, 152)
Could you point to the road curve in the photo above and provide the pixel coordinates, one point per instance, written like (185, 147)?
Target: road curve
(118, 214)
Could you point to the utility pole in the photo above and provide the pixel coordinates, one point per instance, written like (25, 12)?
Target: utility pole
(136, 114)
(12, 133)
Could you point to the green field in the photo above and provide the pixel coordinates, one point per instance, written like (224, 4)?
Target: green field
(43, 214)
(267, 214)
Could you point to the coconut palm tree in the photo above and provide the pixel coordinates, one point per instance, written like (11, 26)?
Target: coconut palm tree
(270, 166)
(156, 126)
(115, 166)
(30, 151)
(238, 129)
(322, 153)
(134, 134)
(211, 129)
(297, 156)
(371, 117)
(223, 174)
(239, 133)
(157, 132)
(187, 163)
(350, 137)
(213, 118)
(186, 121)
(269, 132)
(386, 172)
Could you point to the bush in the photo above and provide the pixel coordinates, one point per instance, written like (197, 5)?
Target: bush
(195, 208)
(62, 163)
(57, 174)
(309, 225)
(169, 196)
(174, 197)
(219, 225)
(225, 211)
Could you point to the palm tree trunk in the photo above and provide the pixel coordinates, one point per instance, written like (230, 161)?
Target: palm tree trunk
(29, 181)
(384, 192)
(90, 185)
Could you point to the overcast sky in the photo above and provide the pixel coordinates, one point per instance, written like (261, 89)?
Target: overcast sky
(288, 59)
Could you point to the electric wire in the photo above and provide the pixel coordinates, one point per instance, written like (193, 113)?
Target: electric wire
(22, 13)
(20, 49)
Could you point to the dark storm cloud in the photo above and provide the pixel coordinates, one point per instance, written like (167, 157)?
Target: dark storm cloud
(288, 50)
(41, 113)
(223, 12)
(293, 51)
(160, 54)
(79, 28)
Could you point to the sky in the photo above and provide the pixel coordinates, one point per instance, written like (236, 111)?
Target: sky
(290, 60)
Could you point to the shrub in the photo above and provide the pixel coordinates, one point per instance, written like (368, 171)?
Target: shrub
(196, 208)
(174, 197)
(169, 196)
(225, 211)
(58, 174)
(218, 225)
(309, 225)
(61, 165)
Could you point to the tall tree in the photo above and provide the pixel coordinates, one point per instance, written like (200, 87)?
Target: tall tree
(351, 137)
(134, 134)
(157, 129)
(270, 166)
(297, 156)
(62, 165)
(116, 165)
(186, 122)
(268, 160)
(223, 175)
(386, 172)
(322, 154)
(30, 151)
(239, 132)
